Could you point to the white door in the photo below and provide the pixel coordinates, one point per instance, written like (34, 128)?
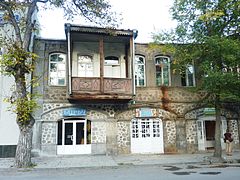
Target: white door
(146, 136)
(201, 135)
(74, 137)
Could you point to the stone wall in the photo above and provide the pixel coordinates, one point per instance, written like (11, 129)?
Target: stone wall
(111, 123)
(123, 137)
(191, 136)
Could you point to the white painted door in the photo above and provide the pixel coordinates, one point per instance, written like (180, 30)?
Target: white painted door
(74, 138)
(146, 136)
(201, 135)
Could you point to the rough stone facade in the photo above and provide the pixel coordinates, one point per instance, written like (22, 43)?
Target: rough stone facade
(175, 106)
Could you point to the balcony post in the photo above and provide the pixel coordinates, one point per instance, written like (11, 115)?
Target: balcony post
(132, 57)
(101, 52)
(69, 79)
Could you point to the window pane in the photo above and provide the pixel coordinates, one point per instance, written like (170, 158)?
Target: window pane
(57, 69)
(61, 82)
(61, 66)
(68, 140)
(53, 67)
(188, 76)
(139, 70)
(80, 133)
(162, 71)
(166, 75)
(54, 58)
(158, 75)
(85, 66)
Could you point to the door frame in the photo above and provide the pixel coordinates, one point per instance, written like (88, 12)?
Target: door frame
(147, 141)
(201, 131)
(74, 148)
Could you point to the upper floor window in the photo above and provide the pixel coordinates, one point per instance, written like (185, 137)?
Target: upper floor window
(57, 69)
(139, 70)
(188, 77)
(162, 64)
(112, 67)
(85, 66)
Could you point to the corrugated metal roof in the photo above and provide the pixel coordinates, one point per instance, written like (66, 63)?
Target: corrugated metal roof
(98, 30)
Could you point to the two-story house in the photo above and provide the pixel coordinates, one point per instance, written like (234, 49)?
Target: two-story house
(102, 93)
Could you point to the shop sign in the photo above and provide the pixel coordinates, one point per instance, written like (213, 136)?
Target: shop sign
(209, 111)
(146, 112)
(73, 112)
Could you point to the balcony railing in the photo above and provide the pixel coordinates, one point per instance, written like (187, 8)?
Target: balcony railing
(90, 87)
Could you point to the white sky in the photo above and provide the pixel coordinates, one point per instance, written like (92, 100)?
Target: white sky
(145, 16)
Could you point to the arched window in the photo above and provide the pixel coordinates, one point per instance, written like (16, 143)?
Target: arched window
(139, 70)
(85, 66)
(57, 69)
(162, 64)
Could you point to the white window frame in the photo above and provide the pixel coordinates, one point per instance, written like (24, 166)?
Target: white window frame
(58, 71)
(137, 65)
(86, 73)
(112, 65)
(162, 65)
(187, 76)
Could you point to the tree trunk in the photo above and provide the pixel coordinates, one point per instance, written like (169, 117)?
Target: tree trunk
(218, 148)
(24, 147)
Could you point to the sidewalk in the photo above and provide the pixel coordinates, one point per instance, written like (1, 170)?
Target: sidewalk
(87, 161)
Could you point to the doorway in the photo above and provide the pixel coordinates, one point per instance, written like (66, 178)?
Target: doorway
(74, 136)
(146, 135)
(206, 132)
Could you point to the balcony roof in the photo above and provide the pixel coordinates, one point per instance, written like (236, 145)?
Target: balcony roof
(100, 30)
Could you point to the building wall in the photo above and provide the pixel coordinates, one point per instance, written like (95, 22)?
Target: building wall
(9, 130)
(111, 123)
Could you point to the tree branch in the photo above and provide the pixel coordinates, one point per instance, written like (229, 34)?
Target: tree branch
(7, 7)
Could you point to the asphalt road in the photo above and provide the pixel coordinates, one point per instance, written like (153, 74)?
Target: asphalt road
(178, 172)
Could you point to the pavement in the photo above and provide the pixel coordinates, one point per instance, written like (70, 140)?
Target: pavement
(90, 161)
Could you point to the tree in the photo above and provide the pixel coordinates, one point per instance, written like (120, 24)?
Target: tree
(17, 61)
(208, 34)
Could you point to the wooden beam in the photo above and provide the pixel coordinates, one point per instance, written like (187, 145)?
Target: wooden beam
(127, 64)
(101, 52)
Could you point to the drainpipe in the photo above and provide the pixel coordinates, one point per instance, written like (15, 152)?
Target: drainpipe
(135, 34)
(69, 59)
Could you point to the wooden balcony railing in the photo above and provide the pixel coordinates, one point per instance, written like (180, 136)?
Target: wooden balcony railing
(90, 88)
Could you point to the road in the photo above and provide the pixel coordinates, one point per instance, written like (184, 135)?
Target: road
(178, 172)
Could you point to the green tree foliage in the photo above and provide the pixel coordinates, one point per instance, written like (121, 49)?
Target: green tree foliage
(208, 34)
(17, 60)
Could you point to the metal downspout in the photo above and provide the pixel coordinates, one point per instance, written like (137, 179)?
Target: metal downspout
(69, 61)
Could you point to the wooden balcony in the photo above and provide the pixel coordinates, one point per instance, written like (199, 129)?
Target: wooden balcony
(93, 88)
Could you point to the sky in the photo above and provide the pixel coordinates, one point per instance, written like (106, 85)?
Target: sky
(146, 16)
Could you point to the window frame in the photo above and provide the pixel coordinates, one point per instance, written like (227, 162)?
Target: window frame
(136, 66)
(162, 65)
(186, 77)
(91, 63)
(113, 66)
(49, 68)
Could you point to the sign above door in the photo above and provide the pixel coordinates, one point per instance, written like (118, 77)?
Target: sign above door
(74, 112)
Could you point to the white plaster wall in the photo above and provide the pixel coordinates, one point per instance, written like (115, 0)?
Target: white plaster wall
(8, 127)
